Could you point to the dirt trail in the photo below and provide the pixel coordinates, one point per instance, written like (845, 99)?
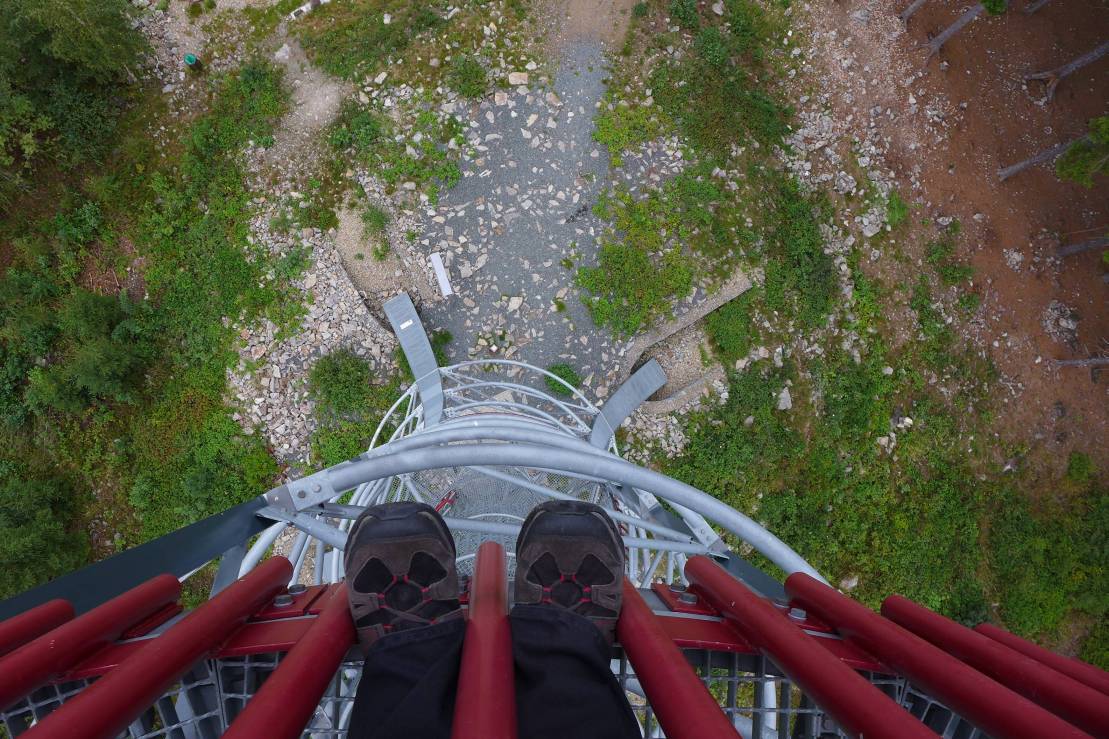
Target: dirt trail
(316, 100)
(605, 21)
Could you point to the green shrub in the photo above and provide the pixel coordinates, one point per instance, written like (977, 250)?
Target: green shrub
(623, 128)
(1080, 468)
(685, 13)
(941, 255)
(105, 349)
(349, 406)
(84, 120)
(640, 9)
(565, 373)
(684, 210)
(62, 68)
(192, 460)
(1095, 648)
(340, 383)
(1087, 157)
(1048, 558)
(38, 536)
(374, 220)
(466, 76)
(731, 328)
(351, 39)
(356, 128)
(799, 275)
(718, 104)
(897, 210)
(711, 46)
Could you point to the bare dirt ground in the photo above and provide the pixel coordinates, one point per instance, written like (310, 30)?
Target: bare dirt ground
(599, 20)
(950, 123)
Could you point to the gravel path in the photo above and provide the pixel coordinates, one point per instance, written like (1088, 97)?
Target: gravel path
(522, 207)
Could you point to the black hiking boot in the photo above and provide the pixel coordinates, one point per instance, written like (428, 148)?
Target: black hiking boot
(400, 570)
(569, 554)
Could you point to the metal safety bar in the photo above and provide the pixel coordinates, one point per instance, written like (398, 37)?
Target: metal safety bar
(1063, 696)
(685, 708)
(485, 705)
(986, 703)
(18, 630)
(56, 651)
(1080, 671)
(289, 697)
(108, 706)
(859, 707)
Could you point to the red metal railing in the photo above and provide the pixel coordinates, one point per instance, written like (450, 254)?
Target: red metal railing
(987, 704)
(36, 663)
(287, 700)
(1084, 673)
(1002, 684)
(108, 706)
(18, 630)
(683, 705)
(485, 705)
(1067, 698)
(859, 707)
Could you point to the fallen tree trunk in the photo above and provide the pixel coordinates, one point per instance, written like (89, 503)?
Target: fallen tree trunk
(937, 43)
(1044, 156)
(1089, 245)
(1091, 362)
(914, 6)
(1053, 77)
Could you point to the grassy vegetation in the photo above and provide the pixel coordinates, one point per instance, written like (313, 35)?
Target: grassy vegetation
(352, 40)
(567, 374)
(731, 328)
(424, 159)
(656, 235)
(349, 406)
(719, 93)
(897, 210)
(113, 401)
(467, 76)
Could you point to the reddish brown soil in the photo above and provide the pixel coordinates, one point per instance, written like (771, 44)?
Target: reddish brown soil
(952, 170)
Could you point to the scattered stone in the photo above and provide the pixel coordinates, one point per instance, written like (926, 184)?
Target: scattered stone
(517, 78)
(785, 401)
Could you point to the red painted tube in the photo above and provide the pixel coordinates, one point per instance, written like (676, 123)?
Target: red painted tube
(859, 707)
(1075, 702)
(288, 698)
(18, 630)
(683, 705)
(987, 704)
(109, 705)
(485, 704)
(1069, 666)
(39, 661)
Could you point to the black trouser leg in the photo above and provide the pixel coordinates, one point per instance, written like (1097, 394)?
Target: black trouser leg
(564, 682)
(564, 685)
(408, 684)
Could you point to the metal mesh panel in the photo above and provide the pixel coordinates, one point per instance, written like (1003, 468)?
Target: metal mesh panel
(761, 702)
